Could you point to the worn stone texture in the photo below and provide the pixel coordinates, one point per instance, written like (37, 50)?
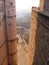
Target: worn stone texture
(8, 42)
(44, 5)
(10, 13)
(3, 42)
(39, 38)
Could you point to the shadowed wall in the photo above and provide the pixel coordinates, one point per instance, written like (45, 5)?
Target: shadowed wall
(39, 38)
(44, 5)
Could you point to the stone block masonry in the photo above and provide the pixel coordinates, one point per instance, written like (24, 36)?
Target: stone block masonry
(10, 13)
(39, 38)
(8, 42)
(3, 42)
(44, 5)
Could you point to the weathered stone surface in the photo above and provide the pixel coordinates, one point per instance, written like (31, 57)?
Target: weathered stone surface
(3, 42)
(44, 5)
(2, 6)
(10, 14)
(39, 38)
(11, 28)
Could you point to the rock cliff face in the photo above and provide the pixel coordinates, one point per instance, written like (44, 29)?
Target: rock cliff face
(39, 38)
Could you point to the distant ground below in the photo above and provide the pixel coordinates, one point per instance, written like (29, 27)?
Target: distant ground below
(23, 19)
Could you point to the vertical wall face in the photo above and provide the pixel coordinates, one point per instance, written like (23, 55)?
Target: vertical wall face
(39, 38)
(41, 6)
(3, 46)
(44, 5)
(11, 30)
(8, 33)
(32, 34)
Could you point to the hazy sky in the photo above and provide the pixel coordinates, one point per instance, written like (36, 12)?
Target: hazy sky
(26, 4)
